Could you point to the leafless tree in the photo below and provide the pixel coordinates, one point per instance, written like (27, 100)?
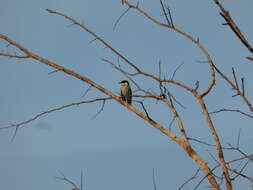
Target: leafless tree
(230, 170)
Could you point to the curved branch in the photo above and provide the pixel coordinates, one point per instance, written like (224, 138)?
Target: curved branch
(195, 41)
(53, 110)
(232, 110)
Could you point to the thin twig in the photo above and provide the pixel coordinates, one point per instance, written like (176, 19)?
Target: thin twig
(172, 121)
(64, 178)
(174, 73)
(114, 26)
(238, 139)
(241, 152)
(90, 42)
(233, 71)
(159, 69)
(145, 110)
(164, 12)
(205, 143)
(240, 172)
(85, 93)
(212, 156)
(190, 179)
(232, 110)
(101, 109)
(196, 85)
(245, 99)
(154, 180)
(170, 15)
(57, 70)
(243, 89)
(53, 110)
(178, 119)
(15, 56)
(14, 134)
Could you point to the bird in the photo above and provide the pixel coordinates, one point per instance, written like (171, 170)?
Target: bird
(125, 91)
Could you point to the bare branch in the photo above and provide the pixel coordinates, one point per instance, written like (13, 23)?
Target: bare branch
(174, 73)
(159, 69)
(240, 172)
(205, 143)
(121, 16)
(101, 109)
(95, 36)
(172, 121)
(53, 110)
(232, 110)
(14, 134)
(237, 86)
(212, 156)
(15, 56)
(238, 139)
(250, 157)
(90, 42)
(64, 178)
(243, 89)
(190, 179)
(245, 99)
(154, 180)
(145, 110)
(170, 15)
(165, 13)
(179, 103)
(178, 119)
(217, 143)
(196, 85)
(227, 163)
(57, 70)
(229, 21)
(85, 93)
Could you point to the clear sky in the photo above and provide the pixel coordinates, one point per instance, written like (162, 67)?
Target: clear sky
(115, 150)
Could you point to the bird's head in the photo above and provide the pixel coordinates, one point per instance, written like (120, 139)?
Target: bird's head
(124, 83)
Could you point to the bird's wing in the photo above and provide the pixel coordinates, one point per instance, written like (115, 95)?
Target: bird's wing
(123, 97)
(130, 96)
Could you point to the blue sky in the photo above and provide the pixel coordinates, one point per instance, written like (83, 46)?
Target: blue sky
(115, 150)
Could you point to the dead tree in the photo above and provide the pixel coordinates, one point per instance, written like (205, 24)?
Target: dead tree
(164, 96)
